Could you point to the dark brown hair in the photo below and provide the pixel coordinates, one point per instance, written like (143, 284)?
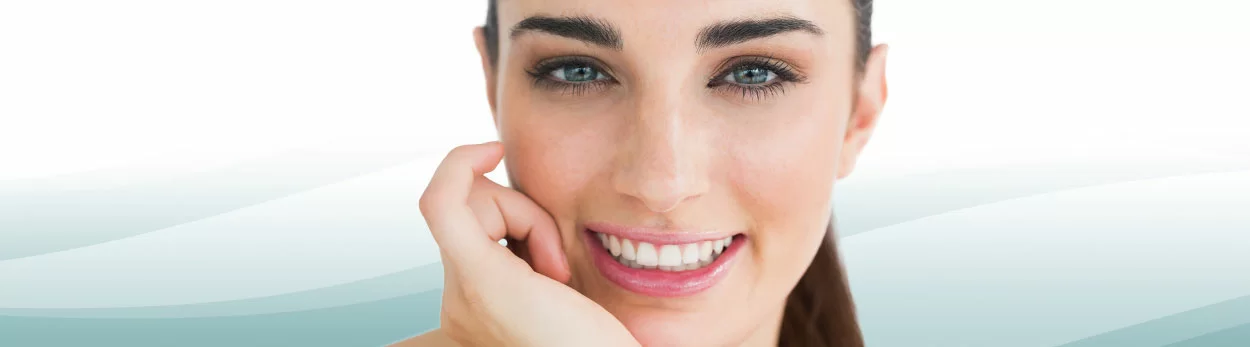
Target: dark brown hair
(819, 311)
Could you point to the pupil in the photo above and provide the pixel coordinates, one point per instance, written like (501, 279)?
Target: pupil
(751, 76)
(579, 73)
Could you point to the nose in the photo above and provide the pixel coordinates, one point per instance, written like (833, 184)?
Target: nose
(663, 161)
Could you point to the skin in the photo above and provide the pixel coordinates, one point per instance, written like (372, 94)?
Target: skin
(659, 148)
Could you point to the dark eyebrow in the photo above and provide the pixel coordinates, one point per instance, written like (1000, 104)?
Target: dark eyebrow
(590, 30)
(736, 31)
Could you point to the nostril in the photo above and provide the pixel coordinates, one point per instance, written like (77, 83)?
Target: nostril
(658, 209)
(665, 199)
(660, 188)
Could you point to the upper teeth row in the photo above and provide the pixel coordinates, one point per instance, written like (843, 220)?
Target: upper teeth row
(686, 256)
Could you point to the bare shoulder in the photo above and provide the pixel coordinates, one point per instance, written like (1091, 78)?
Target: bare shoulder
(432, 338)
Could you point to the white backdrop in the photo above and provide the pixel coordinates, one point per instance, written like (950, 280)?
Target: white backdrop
(89, 85)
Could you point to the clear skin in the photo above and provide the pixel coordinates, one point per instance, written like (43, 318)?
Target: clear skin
(655, 146)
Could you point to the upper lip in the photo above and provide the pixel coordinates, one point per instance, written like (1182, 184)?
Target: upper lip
(658, 235)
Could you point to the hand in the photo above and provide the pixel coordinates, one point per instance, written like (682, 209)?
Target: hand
(490, 296)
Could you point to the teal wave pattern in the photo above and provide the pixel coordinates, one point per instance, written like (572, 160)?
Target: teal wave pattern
(374, 323)
(1211, 325)
(1231, 337)
(56, 219)
(421, 279)
(1085, 255)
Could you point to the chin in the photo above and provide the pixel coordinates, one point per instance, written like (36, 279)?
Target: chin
(694, 329)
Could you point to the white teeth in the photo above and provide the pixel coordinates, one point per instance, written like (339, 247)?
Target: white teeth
(627, 250)
(670, 255)
(646, 255)
(614, 245)
(672, 258)
(690, 254)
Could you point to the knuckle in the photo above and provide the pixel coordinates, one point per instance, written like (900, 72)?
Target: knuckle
(426, 203)
(459, 151)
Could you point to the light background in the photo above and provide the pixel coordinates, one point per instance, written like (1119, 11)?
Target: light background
(1046, 173)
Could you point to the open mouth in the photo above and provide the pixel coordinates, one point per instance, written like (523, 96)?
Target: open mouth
(662, 264)
(682, 257)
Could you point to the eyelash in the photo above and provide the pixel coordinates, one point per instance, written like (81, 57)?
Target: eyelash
(785, 75)
(541, 75)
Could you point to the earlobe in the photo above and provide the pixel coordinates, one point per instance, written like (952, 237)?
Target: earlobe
(869, 101)
(488, 68)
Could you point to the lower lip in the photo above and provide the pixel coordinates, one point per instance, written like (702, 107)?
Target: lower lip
(655, 282)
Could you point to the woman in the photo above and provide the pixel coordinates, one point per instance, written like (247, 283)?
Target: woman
(671, 168)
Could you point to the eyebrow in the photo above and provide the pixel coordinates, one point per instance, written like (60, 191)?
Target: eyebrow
(742, 30)
(585, 29)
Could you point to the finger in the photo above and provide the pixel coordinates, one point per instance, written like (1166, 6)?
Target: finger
(503, 211)
(444, 205)
(487, 212)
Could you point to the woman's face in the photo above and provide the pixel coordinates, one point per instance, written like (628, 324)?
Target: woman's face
(673, 125)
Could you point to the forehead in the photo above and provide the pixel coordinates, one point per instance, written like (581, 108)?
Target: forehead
(665, 23)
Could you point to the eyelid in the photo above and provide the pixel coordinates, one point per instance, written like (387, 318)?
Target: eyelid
(785, 72)
(541, 76)
(546, 66)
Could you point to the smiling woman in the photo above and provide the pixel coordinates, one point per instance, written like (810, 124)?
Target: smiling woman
(671, 167)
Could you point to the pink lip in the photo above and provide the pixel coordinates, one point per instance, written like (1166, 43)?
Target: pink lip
(656, 236)
(662, 283)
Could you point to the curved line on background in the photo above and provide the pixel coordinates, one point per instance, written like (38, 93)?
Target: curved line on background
(1178, 327)
(881, 203)
(42, 222)
(373, 323)
(112, 214)
(419, 279)
(1237, 336)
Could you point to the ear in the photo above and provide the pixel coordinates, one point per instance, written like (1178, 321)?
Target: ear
(488, 69)
(869, 100)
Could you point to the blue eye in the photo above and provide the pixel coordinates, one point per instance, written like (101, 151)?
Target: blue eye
(750, 76)
(577, 73)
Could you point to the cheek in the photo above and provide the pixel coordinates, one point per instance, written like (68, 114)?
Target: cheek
(558, 156)
(782, 170)
(549, 162)
(554, 153)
